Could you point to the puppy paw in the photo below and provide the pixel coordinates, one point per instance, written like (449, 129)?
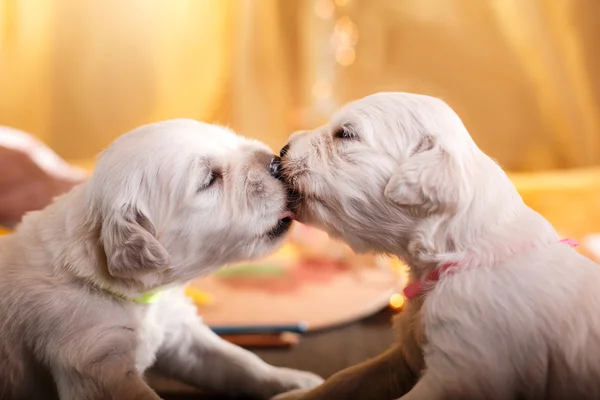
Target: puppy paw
(285, 380)
(291, 395)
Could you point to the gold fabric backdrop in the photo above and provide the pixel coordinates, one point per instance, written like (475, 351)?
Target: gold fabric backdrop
(522, 74)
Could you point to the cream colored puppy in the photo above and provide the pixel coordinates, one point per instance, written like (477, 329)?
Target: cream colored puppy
(499, 309)
(80, 317)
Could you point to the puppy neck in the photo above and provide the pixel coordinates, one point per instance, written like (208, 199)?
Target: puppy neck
(491, 229)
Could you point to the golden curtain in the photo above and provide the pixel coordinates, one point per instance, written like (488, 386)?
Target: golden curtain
(78, 73)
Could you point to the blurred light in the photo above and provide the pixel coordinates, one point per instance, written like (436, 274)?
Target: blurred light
(345, 55)
(324, 9)
(341, 41)
(322, 90)
(353, 38)
(346, 31)
(344, 26)
(334, 41)
(341, 3)
(396, 301)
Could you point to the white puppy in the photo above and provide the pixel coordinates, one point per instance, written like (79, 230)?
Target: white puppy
(499, 308)
(80, 317)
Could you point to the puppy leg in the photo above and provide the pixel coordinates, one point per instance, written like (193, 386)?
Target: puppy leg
(98, 363)
(428, 388)
(117, 384)
(388, 376)
(191, 352)
(385, 377)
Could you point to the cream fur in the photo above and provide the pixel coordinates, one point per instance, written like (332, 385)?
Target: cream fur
(398, 173)
(150, 217)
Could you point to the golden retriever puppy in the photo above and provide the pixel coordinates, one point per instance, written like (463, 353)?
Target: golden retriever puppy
(499, 308)
(91, 288)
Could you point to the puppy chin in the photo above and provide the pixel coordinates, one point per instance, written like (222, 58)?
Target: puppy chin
(274, 238)
(312, 213)
(300, 204)
(262, 249)
(265, 246)
(302, 214)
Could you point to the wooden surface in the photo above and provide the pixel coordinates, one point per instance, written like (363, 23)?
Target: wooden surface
(311, 279)
(320, 298)
(323, 352)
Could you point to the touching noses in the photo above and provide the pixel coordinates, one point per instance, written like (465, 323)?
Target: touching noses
(275, 167)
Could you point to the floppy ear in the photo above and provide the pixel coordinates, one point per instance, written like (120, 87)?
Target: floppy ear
(130, 245)
(429, 182)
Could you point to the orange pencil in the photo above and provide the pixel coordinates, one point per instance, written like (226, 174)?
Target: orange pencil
(283, 339)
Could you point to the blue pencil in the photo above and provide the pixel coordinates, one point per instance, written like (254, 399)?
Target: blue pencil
(300, 327)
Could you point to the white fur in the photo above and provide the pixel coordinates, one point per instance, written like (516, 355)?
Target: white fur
(519, 319)
(148, 219)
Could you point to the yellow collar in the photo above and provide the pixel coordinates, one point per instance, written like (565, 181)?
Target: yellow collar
(148, 297)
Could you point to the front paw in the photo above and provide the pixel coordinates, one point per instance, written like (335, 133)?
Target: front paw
(285, 380)
(291, 395)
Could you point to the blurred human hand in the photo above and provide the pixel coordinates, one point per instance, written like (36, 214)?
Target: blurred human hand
(31, 175)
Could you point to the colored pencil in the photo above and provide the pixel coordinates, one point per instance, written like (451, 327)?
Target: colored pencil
(283, 339)
(300, 327)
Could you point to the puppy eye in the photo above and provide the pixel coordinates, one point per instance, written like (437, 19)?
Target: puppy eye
(344, 133)
(213, 179)
(210, 180)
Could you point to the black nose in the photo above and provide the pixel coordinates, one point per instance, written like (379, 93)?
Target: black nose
(284, 150)
(275, 167)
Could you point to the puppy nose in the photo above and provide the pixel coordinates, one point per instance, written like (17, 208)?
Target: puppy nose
(284, 150)
(275, 167)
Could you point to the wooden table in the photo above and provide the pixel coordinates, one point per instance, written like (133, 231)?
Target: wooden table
(324, 353)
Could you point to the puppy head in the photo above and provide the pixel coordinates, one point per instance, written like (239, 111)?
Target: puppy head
(178, 198)
(381, 165)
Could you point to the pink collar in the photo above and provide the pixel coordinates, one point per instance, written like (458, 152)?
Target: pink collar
(417, 288)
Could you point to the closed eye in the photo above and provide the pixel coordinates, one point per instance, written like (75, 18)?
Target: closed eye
(345, 132)
(210, 180)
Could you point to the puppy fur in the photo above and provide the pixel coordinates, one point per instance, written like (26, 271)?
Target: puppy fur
(398, 173)
(167, 202)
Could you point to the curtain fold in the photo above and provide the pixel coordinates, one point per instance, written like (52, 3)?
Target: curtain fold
(522, 74)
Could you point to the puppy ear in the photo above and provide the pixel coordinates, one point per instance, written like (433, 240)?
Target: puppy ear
(429, 182)
(130, 245)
